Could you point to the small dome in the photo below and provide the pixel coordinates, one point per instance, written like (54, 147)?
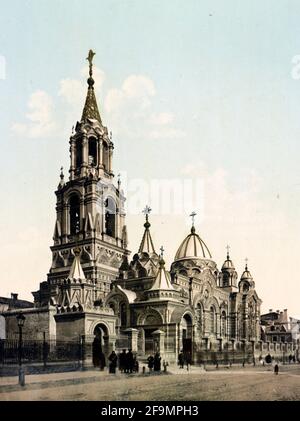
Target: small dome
(246, 274)
(193, 247)
(228, 264)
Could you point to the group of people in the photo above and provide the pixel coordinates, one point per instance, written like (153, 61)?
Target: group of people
(128, 362)
(154, 363)
(125, 361)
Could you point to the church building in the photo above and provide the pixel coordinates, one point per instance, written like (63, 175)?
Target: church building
(94, 286)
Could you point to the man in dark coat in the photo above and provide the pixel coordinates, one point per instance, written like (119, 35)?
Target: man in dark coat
(129, 361)
(150, 360)
(122, 361)
(157, 364)
(113, 362)
(181, 359)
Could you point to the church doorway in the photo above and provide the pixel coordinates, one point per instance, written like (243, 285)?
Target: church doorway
(187, 334)
(100, 345)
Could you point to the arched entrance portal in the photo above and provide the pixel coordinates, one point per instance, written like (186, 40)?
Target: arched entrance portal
(187, 333)
(100, 345)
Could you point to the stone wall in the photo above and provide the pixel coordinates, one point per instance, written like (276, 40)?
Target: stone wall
(37, 321)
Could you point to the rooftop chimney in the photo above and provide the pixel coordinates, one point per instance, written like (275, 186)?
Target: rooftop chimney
(14, 296)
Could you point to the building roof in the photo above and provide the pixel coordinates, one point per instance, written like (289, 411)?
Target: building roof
(14, 302)
(162, 280)
(192, 247)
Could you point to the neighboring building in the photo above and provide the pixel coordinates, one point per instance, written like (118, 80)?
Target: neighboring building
(295, 328)
(7, 304)
(93, 288)
(276, 327)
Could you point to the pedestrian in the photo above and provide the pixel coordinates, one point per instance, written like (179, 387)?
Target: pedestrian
(165, 365)
(122, 361)
(188, 360)
(135, 365)
(129, 361)
(150, 360)
(157, 362)
(276, 369)
(181, 359)
(113, 362)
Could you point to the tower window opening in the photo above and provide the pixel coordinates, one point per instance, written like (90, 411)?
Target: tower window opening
(93, 151)
(105, 156)
(78, 154)
(110, 217)
(74, 215)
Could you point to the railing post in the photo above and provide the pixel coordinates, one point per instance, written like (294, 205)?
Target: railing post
(82, 352)
(45, 351)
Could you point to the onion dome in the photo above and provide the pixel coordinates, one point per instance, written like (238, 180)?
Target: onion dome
(193, 247)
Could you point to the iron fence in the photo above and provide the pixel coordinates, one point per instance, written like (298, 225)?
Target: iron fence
(39, 351)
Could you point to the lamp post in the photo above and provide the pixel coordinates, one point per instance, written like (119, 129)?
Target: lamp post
(21, 321)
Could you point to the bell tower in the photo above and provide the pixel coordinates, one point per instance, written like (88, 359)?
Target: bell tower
(90, 215)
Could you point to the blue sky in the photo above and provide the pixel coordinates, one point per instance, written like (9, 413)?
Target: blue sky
(189, 89)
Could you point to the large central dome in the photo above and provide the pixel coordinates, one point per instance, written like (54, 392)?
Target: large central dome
(193, 247)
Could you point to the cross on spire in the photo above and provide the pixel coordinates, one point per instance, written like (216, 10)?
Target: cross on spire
(162, 251)
(246, 261)
(228, 248)
(147, 211)
(192, 215)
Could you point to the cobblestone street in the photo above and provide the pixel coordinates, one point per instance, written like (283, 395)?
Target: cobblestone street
(250, 383)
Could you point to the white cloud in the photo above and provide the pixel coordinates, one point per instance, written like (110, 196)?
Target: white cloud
(73, 91)
(41, 121)
(131, 110)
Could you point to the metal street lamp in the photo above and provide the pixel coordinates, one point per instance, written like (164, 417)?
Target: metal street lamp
(21, 320)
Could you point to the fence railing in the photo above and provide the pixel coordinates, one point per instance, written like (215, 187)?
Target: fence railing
(38, 351)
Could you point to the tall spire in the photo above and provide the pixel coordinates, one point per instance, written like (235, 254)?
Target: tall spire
(147, 245)
(90, 109)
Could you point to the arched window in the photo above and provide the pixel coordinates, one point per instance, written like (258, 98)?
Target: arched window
(225, 280)
(212, 320)
(105, 156)
(110, 217)
(78, 154)
(93, 151)
(74, 214)
(223, 324)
